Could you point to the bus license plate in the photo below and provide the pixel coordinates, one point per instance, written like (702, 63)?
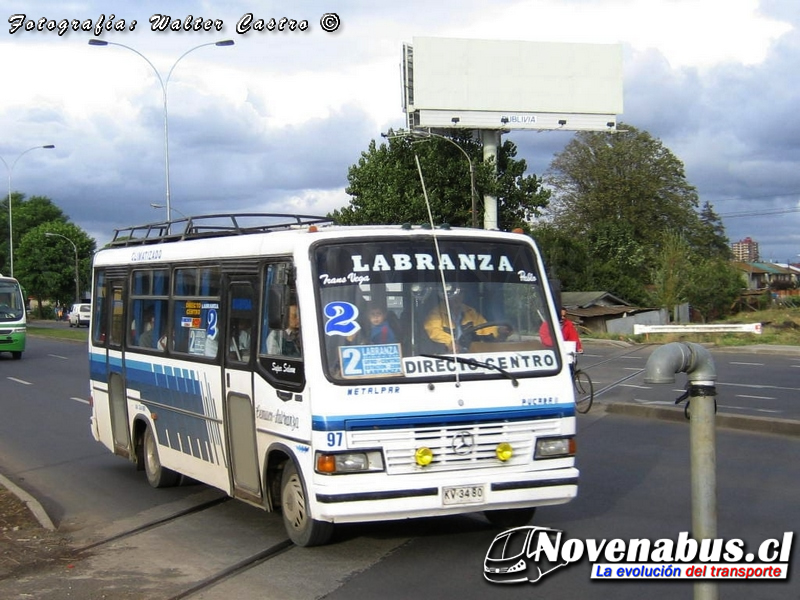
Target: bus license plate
(467, 494)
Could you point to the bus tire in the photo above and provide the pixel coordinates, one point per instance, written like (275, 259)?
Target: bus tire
(301, 528)
(16, 355)
(157, 475)
(509, 518)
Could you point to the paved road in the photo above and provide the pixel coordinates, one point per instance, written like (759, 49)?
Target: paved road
(634, 484)
(751, 382)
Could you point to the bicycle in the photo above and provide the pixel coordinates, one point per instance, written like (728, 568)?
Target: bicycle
(584, 388)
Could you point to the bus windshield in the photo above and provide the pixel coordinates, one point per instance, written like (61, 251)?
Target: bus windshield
(12, 308)
(400, 309)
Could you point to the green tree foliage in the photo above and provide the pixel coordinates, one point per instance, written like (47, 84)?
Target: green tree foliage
(385, 184)
(26, 214)
(45, 265)
(566, 257)
(627, 176)
(683, 273)
(710, 238)
(714, 286)
(671, 269)
(625, 196)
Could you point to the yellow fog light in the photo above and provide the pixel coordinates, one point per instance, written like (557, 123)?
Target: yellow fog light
(423, 456)
(504, 451)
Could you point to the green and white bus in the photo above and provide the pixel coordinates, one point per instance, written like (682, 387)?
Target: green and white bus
(309, 369)
(13, 317)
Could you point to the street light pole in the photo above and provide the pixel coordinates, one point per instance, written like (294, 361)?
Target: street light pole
(10, 218)
(164, 83)
(77, 268)
(427, 134)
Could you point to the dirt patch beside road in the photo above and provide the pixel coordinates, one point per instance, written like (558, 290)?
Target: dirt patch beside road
(24, 543)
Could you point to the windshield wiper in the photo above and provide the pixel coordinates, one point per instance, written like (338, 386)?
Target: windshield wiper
(474, 363)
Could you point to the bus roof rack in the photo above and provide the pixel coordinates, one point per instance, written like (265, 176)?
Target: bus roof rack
(211, 226)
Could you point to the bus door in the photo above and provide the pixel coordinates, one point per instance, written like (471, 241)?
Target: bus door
(112, 325)
(239, 351)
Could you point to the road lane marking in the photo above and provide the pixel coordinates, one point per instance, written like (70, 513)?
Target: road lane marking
(79, 400)
(759, 386)
(756, 397)
(747, 364)
(22, 381)
(58, 356)
(633, 385)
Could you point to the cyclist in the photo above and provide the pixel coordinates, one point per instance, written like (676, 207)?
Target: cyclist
(568, 332)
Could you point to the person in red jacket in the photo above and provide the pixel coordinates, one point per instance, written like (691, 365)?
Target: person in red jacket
(568, 332)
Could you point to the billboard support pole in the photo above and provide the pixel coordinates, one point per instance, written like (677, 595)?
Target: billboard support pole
(491, 143)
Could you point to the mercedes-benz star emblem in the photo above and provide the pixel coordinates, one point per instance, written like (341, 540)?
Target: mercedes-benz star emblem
(463, 442)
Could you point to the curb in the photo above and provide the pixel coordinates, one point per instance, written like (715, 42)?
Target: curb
(32, 503)
(787, 427)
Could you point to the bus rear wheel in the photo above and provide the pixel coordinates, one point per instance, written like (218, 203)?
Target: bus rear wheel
(16, 355)
(302, 529)
(157, 475)
(512, 517)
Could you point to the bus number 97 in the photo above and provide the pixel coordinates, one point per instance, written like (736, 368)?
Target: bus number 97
(334, 439)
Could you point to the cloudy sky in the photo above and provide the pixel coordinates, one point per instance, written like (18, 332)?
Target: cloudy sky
(273, 122)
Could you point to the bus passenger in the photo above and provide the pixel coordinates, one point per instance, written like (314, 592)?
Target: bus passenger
(286, 342)
(240, 340)
(148, 337)
(383, 327)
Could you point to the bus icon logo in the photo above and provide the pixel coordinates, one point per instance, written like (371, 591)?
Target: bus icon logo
(517, 556)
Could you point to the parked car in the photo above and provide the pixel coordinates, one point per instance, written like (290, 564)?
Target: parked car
(80, 314)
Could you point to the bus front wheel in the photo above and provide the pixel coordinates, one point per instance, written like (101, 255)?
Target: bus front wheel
(157, 475)
(512, 517)
(302, 529)
(16, 355)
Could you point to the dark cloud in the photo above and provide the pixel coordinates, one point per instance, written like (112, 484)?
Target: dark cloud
(734, 126)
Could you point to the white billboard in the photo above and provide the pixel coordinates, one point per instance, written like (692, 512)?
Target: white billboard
(495, 84)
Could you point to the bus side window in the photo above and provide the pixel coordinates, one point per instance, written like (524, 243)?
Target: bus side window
(280, 315)
(100, 315)
(242, 303)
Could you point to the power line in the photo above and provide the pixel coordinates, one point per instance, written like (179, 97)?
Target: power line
(758, 213)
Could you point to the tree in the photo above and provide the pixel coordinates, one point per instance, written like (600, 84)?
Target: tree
(628, 177)
(626, 196)
(26, 214)
(385, 184)
(566, 257)
(714, 287)
(47, 263)
(710, 238)
(669, 277)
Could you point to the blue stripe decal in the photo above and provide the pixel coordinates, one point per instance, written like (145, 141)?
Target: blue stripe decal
(441, 419)
(193, 426)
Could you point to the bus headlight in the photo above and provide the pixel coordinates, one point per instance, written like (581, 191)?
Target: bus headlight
(554, 447)
(337, 463)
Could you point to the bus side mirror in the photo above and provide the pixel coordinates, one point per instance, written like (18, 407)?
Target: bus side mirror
(555, 291)
(276, 303)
